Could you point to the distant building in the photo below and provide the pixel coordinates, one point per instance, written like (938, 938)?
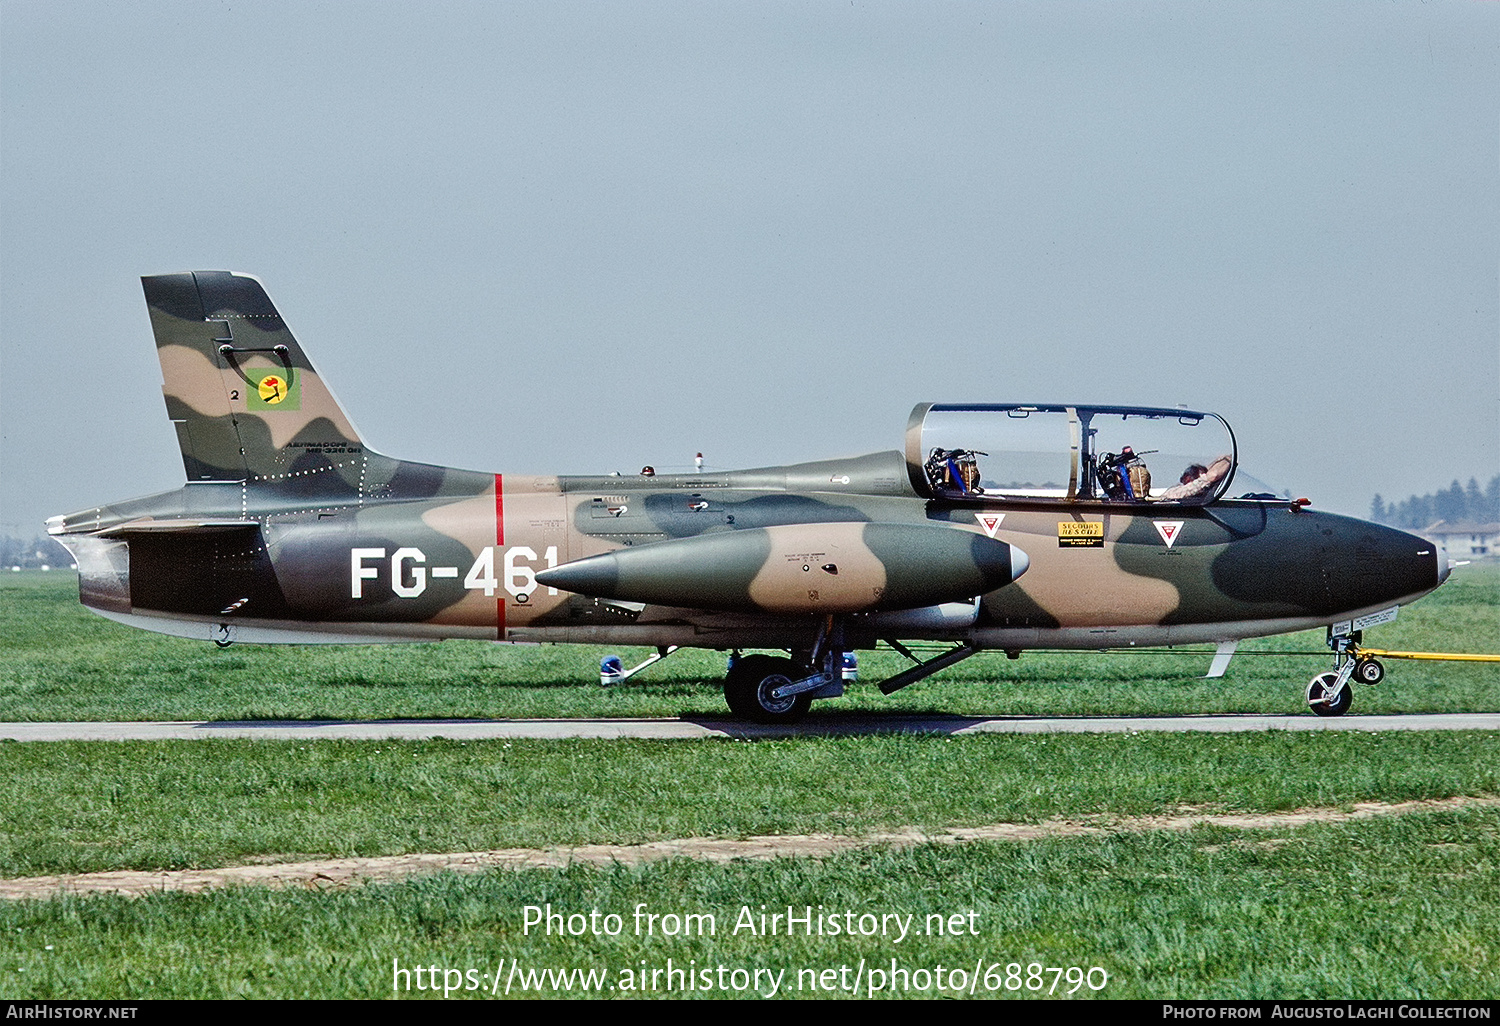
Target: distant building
(1466, 540)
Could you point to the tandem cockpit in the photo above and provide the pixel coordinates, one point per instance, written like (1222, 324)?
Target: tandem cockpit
(1126, 454)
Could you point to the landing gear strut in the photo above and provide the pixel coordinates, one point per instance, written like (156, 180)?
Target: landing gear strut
(1329, 693)
(771, 689)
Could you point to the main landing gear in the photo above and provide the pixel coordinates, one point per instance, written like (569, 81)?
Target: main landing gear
(1329, 693)
(757, 688)
(772, 689)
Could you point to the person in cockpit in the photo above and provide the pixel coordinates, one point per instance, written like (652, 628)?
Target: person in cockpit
(1192, 473)
(1197, 479)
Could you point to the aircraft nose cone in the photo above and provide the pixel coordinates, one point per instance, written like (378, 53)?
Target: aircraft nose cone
(1396, 564)
(1427, 560)
(1445, 563)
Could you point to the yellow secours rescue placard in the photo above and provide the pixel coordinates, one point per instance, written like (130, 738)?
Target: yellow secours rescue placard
(1073, 534)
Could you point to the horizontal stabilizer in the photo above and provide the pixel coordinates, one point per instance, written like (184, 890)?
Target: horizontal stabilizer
(148, 525)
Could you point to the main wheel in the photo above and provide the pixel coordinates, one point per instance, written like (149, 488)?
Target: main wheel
(1322, 699)
(748, 689)
(1369, 671)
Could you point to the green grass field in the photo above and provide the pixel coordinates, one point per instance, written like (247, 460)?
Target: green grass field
(88, 806)
(1400, 909)
(60, 662)
(1402, 906)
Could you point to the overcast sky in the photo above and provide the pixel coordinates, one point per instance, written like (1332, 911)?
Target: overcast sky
(582, 237)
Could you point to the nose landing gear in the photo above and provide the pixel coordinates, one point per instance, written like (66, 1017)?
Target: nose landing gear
(1329, 693)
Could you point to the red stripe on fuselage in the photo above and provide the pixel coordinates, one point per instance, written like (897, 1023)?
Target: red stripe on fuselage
(499, 548)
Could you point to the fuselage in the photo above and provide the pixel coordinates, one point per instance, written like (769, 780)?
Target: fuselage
(433, 553)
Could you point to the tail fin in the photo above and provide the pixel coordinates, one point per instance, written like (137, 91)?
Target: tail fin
(246, 401)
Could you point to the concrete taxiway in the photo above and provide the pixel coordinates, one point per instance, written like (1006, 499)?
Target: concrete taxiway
(829, 725)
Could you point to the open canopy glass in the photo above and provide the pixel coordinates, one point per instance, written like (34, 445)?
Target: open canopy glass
(1130, 454)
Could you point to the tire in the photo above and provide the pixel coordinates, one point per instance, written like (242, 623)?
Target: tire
(747, 690)
(1369, 671)
(1318, 695)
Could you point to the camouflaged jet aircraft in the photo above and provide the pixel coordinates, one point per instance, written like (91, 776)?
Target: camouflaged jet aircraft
(1003, 527)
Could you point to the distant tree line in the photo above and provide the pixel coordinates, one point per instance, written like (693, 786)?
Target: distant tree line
(1454, 504)
(29, 555)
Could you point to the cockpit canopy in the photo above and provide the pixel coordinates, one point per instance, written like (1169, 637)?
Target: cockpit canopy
(1132, 454)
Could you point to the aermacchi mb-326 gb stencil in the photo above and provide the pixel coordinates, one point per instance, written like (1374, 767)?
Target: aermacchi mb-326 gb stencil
(998, 526)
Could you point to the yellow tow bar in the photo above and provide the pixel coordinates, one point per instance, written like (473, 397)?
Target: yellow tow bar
(1363, 653)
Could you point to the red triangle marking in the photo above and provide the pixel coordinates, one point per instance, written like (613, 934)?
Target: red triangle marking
(990, 522)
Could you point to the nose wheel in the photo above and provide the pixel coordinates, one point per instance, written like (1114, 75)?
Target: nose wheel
(1329, 693)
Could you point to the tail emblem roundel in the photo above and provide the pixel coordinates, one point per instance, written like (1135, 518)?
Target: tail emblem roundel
(272, 389)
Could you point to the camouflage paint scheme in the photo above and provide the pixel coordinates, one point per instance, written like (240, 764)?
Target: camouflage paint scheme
(291, 529)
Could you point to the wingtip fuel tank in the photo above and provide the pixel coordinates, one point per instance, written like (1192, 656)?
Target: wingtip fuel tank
(801, 569)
